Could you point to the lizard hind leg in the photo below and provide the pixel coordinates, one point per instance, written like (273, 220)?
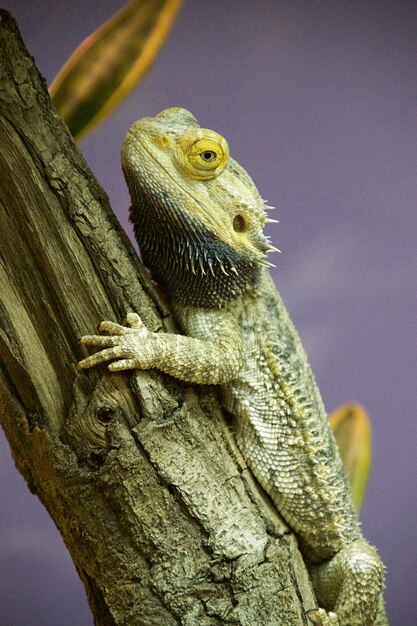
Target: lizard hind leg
(350, 584)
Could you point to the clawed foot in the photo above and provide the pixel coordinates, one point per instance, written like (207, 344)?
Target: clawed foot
(130, 344)
(320, 617)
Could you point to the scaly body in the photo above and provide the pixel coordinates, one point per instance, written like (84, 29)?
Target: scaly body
(199, 222)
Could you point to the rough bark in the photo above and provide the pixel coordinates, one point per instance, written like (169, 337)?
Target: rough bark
(139, 472)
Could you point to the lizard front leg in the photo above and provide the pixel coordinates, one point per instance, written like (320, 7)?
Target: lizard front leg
(211, 353)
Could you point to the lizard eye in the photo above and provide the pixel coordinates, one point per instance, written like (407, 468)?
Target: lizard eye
(208, 156)
(202, 153)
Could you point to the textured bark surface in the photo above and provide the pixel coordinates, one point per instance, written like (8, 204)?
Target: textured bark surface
(139, 473)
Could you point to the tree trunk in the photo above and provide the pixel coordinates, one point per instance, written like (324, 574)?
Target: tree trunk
(139, 472)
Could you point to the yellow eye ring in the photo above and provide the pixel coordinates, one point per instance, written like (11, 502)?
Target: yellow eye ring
(206, 155)
(202, 153)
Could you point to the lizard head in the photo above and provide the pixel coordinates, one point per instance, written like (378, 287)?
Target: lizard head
(197, 214)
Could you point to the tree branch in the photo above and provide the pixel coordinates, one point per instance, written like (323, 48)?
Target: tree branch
(160, 515)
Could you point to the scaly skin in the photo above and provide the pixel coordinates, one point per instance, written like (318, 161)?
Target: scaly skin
(198, 218)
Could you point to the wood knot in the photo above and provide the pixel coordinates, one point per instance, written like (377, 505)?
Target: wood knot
(105, 414)
(96, 458)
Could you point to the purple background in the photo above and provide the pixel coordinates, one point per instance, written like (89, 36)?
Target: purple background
(317, 100)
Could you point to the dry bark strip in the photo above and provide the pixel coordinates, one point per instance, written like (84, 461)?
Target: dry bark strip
(162, 519)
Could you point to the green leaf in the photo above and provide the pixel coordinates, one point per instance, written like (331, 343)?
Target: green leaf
(352, 430)
(107, 65)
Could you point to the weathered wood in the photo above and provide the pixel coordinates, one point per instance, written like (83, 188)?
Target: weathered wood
(162, 519)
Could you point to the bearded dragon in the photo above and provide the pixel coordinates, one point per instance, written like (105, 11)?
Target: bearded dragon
(198, 219)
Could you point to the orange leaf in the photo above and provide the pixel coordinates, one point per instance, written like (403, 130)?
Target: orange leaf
(352, 430)
(107, 65)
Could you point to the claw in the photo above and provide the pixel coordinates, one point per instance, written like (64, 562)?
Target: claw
(112, 328)
(98, 340)
(133, 320)
(120, 343)
(122, 364)
(320, 617)
(100, 357)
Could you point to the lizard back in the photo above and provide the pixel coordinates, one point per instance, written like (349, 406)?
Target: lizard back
(282, 428)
